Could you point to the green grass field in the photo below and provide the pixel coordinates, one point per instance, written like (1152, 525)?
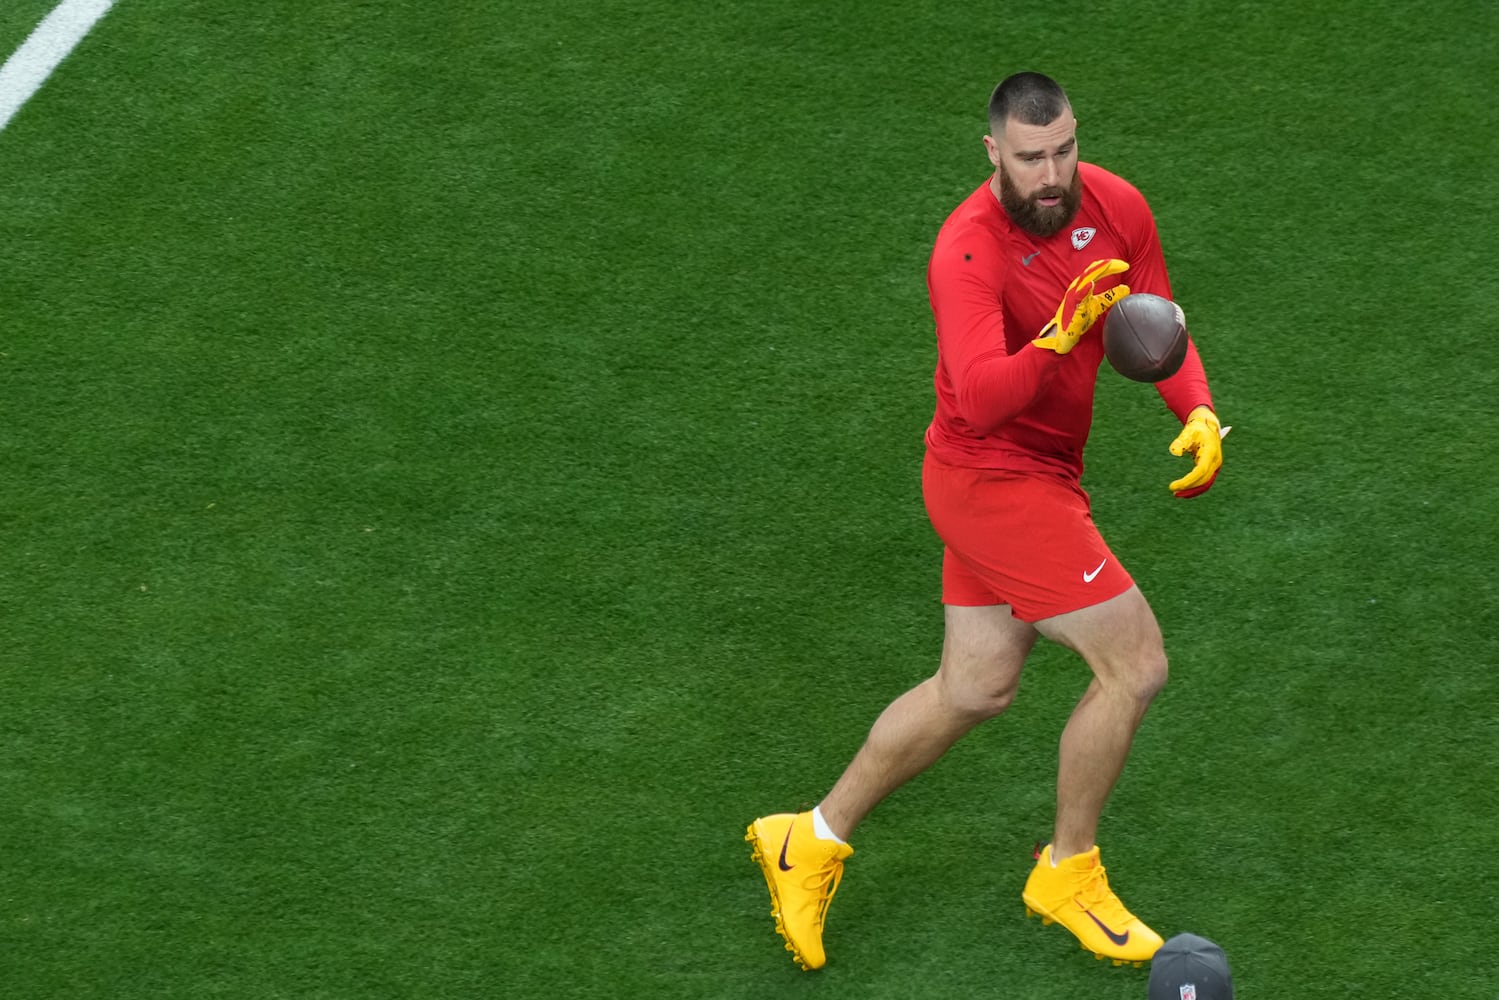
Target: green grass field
(460, 463)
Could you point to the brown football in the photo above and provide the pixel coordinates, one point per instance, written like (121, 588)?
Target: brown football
(1145, 337)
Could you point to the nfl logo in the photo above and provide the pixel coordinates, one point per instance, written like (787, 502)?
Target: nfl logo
(1082, 237)
(1189, 991)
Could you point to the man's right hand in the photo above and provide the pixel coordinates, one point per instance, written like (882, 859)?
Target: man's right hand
(1081, 307)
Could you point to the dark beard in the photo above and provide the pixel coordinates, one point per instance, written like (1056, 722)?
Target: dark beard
(1037, 219)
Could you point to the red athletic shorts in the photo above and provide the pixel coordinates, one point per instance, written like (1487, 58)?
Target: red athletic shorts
(1023, 539)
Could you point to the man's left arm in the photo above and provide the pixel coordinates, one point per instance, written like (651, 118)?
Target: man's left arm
(1186, 393)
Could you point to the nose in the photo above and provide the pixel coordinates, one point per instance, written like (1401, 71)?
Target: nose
(1053, 174)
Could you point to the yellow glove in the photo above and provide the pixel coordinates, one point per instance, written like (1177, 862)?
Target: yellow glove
(1203, 437)
(1081, 308)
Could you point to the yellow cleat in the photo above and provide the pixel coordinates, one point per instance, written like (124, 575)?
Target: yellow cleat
(802, 872)
(1076, 894)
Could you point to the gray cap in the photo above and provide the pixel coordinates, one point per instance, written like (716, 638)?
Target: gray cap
(1189, 967)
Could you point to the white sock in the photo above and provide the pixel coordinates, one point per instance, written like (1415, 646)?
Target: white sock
(820, 826)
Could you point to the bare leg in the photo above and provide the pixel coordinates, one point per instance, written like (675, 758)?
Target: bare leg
(1121, 642)
(983, 651)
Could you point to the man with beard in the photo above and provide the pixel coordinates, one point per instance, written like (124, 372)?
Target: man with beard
(1020, 272)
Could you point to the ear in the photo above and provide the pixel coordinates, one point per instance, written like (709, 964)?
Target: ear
(992, 148)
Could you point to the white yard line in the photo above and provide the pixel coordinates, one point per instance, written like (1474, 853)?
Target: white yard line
(30, 65)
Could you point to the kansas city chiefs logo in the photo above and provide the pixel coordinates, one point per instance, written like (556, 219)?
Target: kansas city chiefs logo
(1082, 237)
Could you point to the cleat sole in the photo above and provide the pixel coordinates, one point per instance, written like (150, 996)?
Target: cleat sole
(1046, 921)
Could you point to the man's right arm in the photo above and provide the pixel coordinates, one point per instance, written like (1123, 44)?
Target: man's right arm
(992, 386)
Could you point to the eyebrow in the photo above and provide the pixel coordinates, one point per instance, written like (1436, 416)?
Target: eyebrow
(1041, 152)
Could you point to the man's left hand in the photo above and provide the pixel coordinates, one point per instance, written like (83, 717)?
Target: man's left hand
(1202, 435)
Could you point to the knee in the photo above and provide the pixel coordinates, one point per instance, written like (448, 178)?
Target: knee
(977, 696)
(1147, 675)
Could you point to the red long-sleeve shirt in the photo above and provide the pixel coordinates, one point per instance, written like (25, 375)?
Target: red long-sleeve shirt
(1002, 403)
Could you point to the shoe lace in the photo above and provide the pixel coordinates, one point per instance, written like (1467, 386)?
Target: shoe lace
(824, 881)
(1096, 896)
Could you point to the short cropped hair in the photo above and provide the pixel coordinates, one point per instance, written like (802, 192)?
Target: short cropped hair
(1029, 98)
